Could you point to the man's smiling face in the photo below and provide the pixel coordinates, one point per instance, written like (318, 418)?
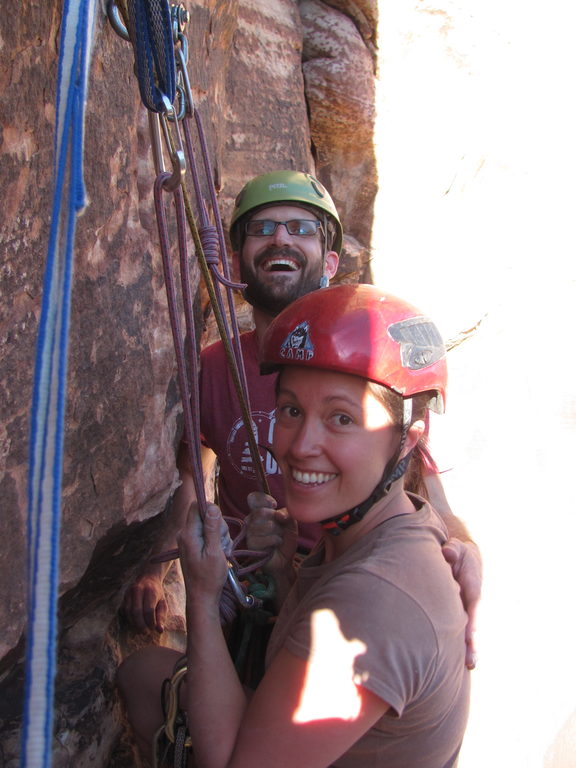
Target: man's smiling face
(279, 268)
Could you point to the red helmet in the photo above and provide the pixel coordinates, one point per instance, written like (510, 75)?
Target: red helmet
(361, 330)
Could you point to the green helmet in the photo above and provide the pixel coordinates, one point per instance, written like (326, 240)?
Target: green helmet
(283, 187)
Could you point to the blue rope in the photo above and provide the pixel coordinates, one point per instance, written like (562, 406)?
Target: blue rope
(49, 392)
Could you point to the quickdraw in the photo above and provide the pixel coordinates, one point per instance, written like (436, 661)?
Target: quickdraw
(161, 63)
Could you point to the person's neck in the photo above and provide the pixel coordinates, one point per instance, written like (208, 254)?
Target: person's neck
(396, 502)
(261, 322)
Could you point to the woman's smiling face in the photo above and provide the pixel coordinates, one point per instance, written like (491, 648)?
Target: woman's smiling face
(333, 438)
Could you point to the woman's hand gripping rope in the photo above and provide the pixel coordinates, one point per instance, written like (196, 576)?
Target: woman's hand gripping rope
(204, 549)
(271, 529)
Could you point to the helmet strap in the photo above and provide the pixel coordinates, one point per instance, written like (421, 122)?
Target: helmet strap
(323, 279)
(393, 471)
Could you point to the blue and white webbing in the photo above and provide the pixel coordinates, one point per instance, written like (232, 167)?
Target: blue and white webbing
(49, 394)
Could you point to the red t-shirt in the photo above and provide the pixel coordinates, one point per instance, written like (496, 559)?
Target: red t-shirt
(223, 430)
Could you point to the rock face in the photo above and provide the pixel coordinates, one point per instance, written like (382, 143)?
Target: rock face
(278, 84)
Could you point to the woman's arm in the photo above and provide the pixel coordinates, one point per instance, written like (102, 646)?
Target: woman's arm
(214, 694)
(304, 713)
(293, 720)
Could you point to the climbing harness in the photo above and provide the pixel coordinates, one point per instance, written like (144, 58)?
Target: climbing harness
(247, 646)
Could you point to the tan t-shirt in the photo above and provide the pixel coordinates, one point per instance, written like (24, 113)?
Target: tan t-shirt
(393, 591)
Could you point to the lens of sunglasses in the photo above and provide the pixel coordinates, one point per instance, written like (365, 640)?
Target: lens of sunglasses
(267, 227)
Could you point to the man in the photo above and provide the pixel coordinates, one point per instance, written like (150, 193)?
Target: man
(286, 235)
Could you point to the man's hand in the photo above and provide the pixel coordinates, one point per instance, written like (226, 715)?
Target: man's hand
(145, 605)
(466, 563)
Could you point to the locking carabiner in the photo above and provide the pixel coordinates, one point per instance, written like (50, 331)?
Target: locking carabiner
(245, 600)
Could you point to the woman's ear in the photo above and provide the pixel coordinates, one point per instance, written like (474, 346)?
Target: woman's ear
(415, 432)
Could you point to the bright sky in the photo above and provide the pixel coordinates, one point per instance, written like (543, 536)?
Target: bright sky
(475, 220)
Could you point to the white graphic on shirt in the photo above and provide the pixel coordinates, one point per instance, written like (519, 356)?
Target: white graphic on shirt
(238, 448)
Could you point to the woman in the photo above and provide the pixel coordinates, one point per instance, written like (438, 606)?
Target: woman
(365, 666)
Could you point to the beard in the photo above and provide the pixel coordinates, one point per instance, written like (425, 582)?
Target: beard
(279, 293)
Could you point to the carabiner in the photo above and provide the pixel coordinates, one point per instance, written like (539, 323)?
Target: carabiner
(175, 150)
(173, 705)
(246, 601)
(181, 59)
(181, 101)
(180, 16)
(115, 18)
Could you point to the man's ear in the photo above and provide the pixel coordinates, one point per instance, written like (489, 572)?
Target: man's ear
(331, 264)
(414, 434)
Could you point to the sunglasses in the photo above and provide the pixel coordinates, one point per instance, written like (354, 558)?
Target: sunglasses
(267, 227)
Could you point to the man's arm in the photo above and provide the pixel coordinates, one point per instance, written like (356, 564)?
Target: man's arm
(464, 557)
(437, 496)
(144, 602)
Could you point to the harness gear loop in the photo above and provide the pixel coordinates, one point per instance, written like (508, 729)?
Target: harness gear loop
(170, 724)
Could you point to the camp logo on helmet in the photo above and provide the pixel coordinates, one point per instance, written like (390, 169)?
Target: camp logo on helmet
(279, 185)
(420, 342)
(297, 345)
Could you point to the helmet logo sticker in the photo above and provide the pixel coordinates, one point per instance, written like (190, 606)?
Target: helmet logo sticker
(297, 345)
(278, 185)
(420, 342)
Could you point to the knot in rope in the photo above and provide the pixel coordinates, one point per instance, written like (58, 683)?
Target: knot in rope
(210, 243)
